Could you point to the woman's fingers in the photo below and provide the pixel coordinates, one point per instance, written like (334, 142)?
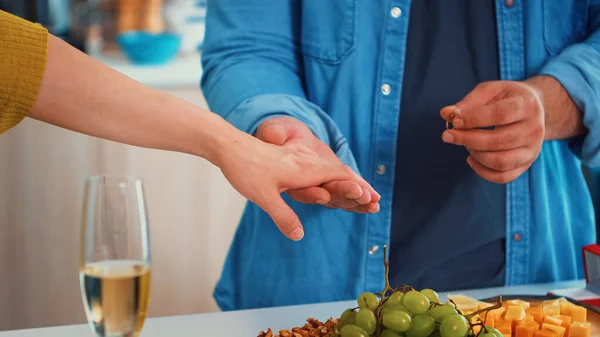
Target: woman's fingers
(282, 214)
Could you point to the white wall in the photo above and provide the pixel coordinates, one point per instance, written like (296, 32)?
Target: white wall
(193, 213)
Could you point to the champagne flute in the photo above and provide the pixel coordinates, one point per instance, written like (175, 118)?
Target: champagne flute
(115, 256)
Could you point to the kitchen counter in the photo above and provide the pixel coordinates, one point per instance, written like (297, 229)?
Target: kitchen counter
(248, 323)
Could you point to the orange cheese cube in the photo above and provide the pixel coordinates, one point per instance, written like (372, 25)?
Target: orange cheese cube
(489, 319)
(580, 329)
(566, 323)
(578, 314)
(551, 302)
(536, 313)
(525, 330)
(565, 308)
(520, 303)
(504, 327)
(557, 328)
(552, 320)
(476, 329)
(545, 333)
(550, 310)
(514, 313)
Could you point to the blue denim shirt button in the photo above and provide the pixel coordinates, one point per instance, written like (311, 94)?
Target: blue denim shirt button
(396, 12)
(517, 237)
(373, 250)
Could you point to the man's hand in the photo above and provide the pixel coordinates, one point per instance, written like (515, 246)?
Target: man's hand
(515, 112)
(350, 194)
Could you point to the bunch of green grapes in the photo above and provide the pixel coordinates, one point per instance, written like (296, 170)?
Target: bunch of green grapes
(407, 312)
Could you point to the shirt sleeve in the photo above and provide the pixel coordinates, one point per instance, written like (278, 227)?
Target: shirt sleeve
(252, 67)
(23, 54)
(577, 68)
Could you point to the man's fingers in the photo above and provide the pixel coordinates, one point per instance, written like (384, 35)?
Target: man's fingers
(503, 160)
(272, 132)
(501, 112)
(344, 194)
(310, 195)
(370, 208)
(501, 138)
(284, 217)
(498, 177)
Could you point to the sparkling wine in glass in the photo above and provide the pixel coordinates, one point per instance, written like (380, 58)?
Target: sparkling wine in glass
(115, 256)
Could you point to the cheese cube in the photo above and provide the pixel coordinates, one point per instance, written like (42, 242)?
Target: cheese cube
(525, 330)
(504, 327)
(489, 319)
(514, 313)
(566, 323)
(557, 328)
(521, 303)
(552, 320)
(536, 313)
(546, 333)
(550, 302)
(580, 329)
(565, 308)
(578, 314)
(550, 310)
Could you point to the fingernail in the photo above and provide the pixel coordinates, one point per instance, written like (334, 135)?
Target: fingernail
(320, 201)
(373, 208)
(352, 196)
(458, 123)
(447, 137)
(297, 234)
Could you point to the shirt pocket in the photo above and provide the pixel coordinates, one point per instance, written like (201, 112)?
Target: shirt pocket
(328, 29)
(565, 23)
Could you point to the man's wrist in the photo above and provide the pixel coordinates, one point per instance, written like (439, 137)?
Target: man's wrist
(562, 117)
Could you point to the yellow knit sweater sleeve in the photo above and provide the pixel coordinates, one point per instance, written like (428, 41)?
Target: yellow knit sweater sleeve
(23, 54)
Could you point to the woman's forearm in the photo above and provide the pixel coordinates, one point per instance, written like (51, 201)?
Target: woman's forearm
(81, 94)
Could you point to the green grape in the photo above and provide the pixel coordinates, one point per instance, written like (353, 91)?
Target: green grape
(365, 319)
(441, 311)
(348, 317)
(395, 298)
(416, 302)
(431, 295)
(396, 307)
(353, 331)
(491, 332)
(422, 326)
(390, 333)
(397, 320)
(454, 325)
(368, 300)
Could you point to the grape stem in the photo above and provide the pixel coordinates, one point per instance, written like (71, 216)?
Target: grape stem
(498, 305)
(383, 292)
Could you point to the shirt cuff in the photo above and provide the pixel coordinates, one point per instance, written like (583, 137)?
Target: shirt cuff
(249, 114)
(578, 70)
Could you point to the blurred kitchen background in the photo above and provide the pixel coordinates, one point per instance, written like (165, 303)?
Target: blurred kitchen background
(193, 210)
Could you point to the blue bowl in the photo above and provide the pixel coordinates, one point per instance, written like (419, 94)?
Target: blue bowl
(145, 48)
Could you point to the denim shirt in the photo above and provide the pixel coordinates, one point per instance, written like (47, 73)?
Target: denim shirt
(338, 67)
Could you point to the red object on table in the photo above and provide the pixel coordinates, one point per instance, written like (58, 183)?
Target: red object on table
(591, 266)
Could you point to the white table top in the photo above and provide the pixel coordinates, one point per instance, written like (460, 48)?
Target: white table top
(249, 323)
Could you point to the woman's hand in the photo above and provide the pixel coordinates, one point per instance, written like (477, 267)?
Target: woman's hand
(262, 171)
